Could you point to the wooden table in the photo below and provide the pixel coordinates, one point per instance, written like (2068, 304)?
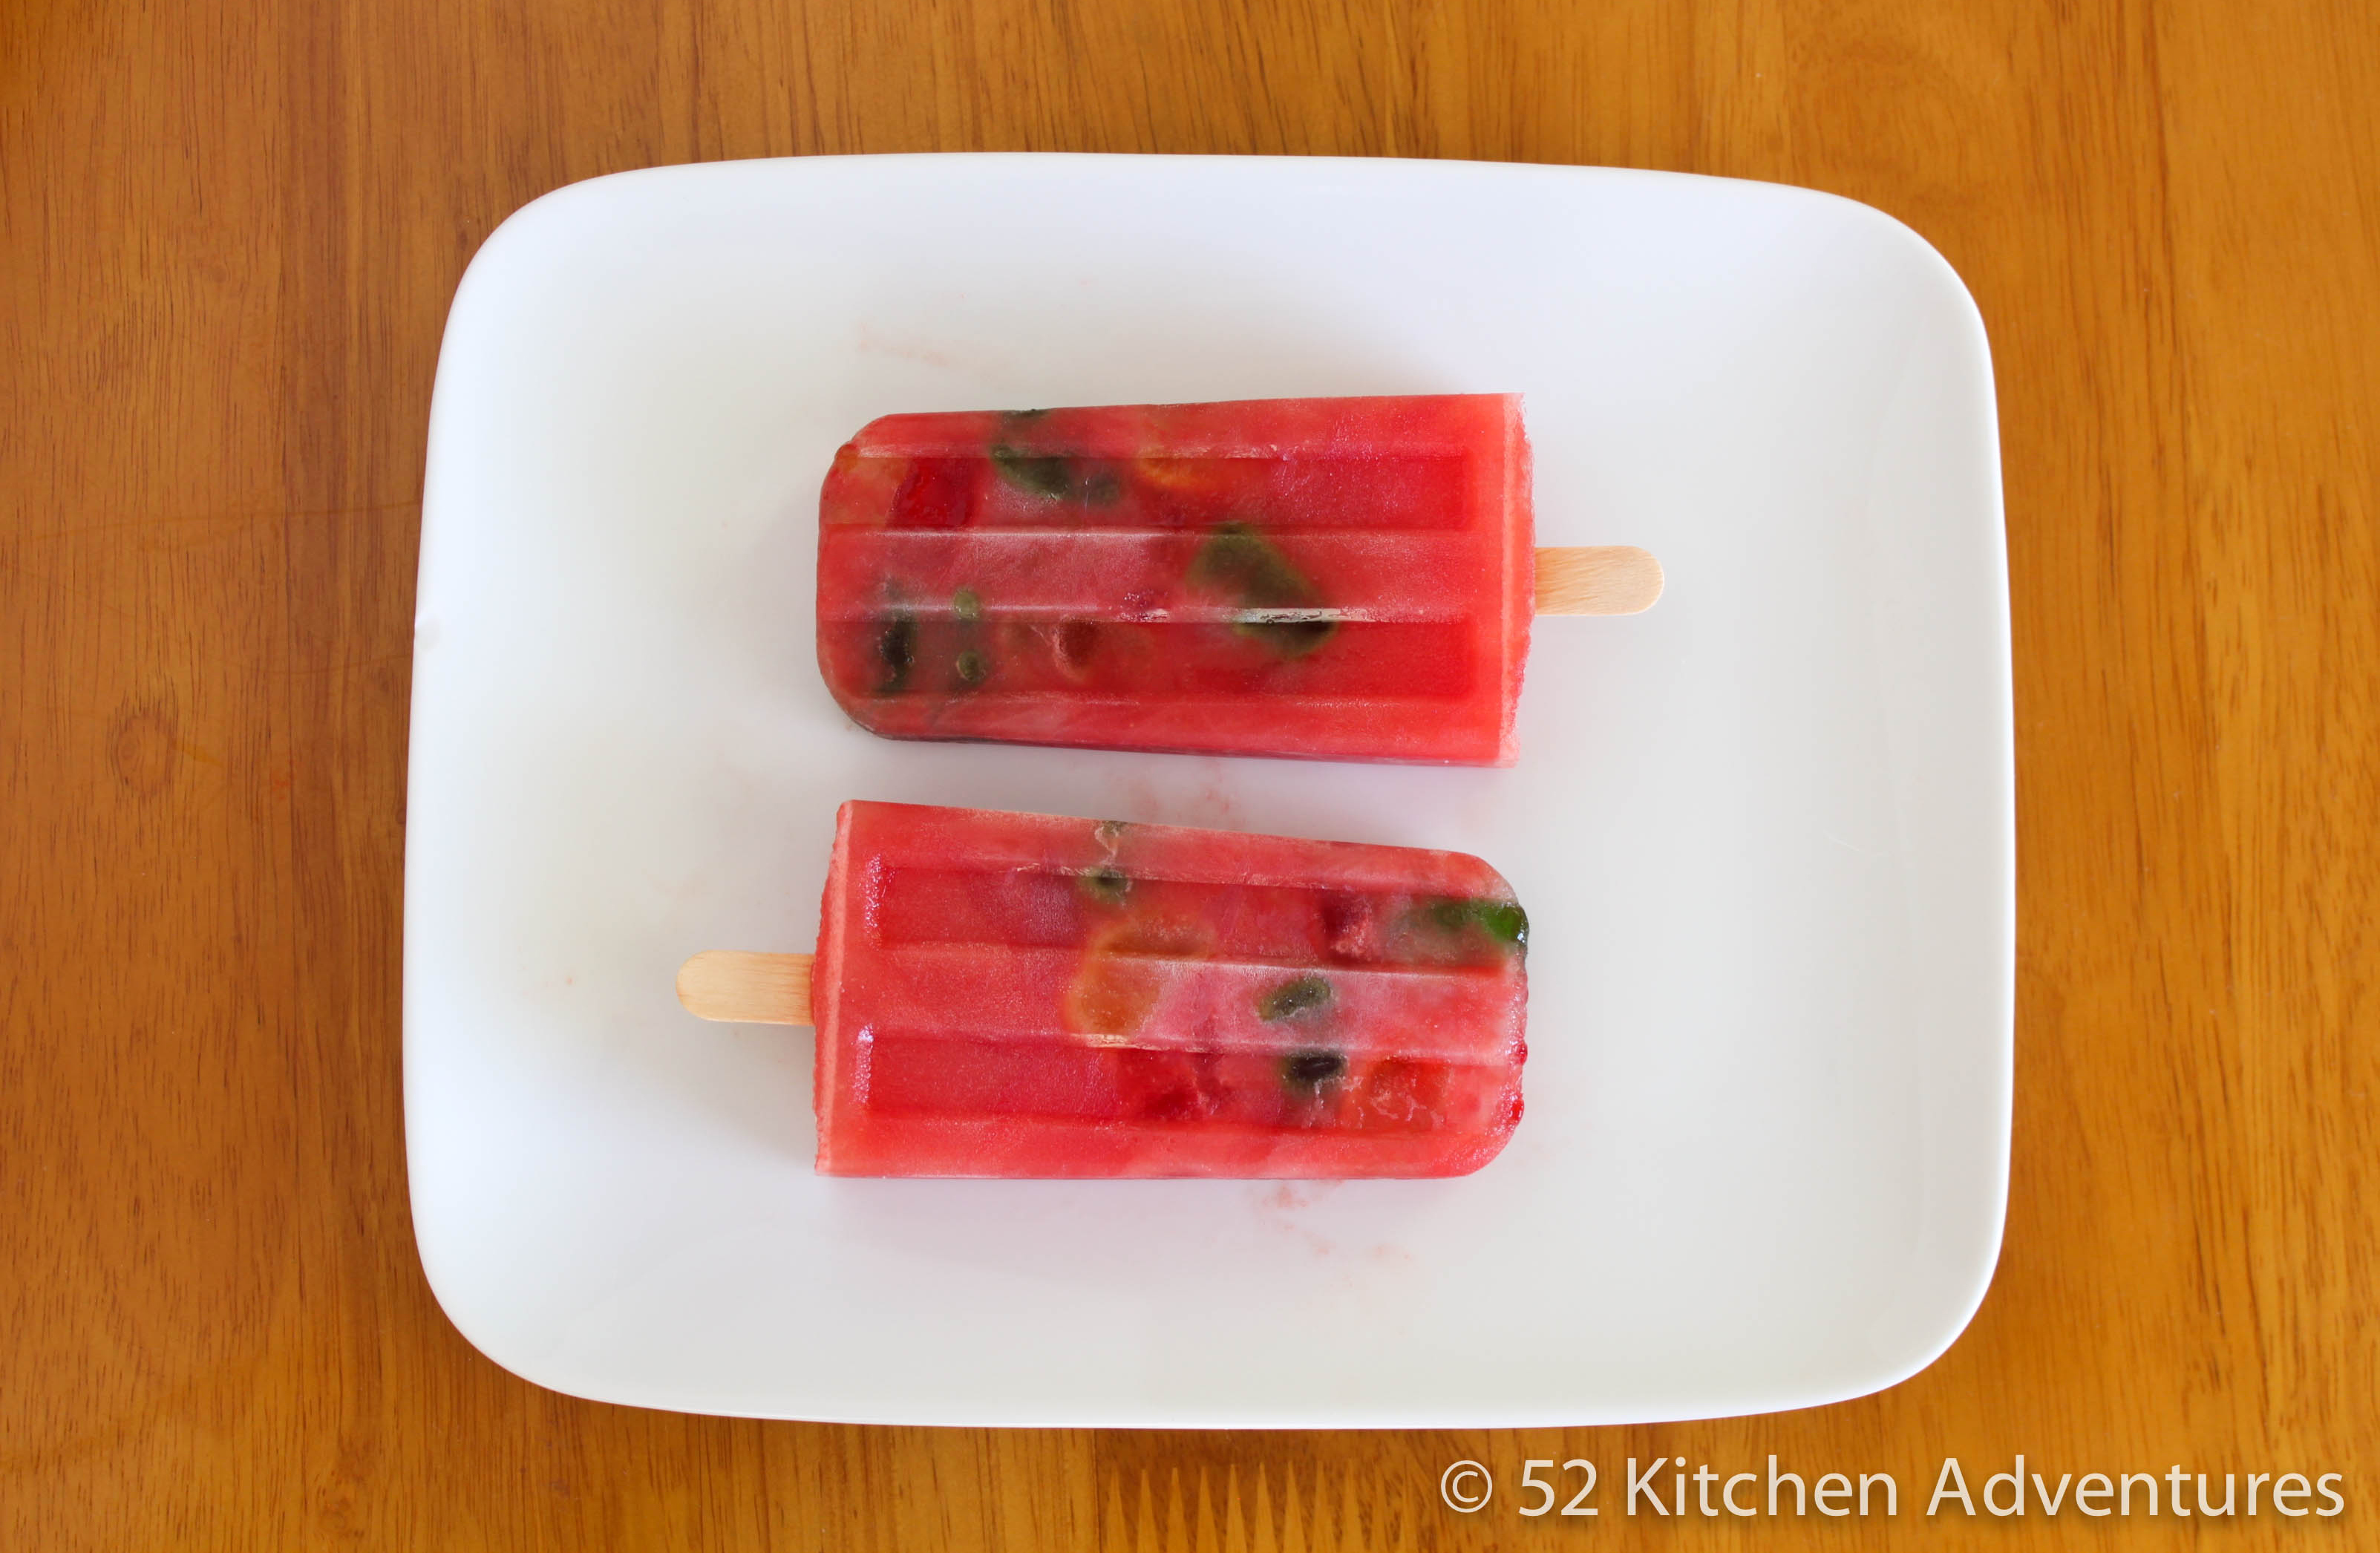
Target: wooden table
(231, 232)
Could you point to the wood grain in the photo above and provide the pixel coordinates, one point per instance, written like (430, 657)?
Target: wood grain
(744, 988)
(1597, 579)
(228, 234)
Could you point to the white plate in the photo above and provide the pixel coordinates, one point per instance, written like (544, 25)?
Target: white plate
(1765, 833)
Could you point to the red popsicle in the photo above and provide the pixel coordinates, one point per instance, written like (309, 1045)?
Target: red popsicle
(1023, 995)
(1347, 579)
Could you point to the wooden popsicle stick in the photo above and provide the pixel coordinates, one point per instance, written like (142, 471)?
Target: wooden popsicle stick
(1597, 579)
(743, 988)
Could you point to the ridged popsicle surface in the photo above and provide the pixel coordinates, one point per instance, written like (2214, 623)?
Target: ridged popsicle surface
(1325, 579)
(1025, 995)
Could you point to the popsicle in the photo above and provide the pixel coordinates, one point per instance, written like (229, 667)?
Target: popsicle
(1344, 579)
(1024, 995)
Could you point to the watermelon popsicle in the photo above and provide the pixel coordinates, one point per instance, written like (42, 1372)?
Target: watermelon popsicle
(1344, 579)
(1024, 995)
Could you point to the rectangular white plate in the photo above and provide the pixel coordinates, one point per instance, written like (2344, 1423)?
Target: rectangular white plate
(1765, 833)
